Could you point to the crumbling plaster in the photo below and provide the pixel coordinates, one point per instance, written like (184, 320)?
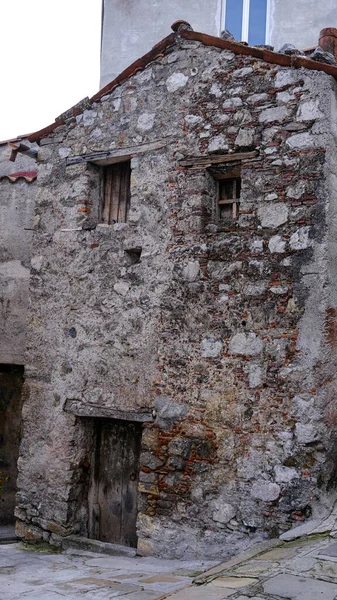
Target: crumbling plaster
(222, 331)
(16, 223)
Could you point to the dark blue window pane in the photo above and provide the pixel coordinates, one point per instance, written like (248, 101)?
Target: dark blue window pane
(257, 22)
(234, 17)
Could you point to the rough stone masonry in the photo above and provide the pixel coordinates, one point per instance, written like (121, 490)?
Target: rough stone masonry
(221, 330)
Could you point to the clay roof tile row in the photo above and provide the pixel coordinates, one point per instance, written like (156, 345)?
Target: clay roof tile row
(28, 176)
(208, 40)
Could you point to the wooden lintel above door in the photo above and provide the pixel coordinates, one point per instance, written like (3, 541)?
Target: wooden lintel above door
(81, 409)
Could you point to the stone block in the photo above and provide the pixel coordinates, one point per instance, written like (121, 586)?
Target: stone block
(300, 588)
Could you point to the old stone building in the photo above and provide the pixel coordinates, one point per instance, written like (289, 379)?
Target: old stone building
(17, 213)
(179, 389)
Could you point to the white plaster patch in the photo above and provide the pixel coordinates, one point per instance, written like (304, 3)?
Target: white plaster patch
(176, 81)
(146, 121)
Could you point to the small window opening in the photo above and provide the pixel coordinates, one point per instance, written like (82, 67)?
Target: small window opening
(229, 198)
(116, 193)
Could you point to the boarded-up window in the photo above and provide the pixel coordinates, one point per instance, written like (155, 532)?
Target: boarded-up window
(229, 198)
(116, 195)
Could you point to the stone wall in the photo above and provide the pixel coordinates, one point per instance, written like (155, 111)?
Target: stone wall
(225, 331)
(17, 212)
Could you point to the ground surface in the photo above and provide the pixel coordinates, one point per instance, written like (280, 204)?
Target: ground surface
(304, 569)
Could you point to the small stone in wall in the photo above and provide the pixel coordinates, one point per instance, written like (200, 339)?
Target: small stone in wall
(269, 115)
(245, 344)
(255, 289)
(215, 90)
(273, 216)
(223, 512)
(285, 474)
(218, 144)
(245, 138)
(265, 490)
(211, 348)
(276, 244)
(146, 121)
(121, 288)
(190, 272)
(193, 119)
(255, 376)
(256, 246)
(306, 434)
(325, 57)
(176, 81)
(301, 141)
(232, 103)
(300, 239)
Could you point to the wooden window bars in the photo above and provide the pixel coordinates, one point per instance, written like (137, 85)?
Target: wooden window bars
(229, 198)
(116, 193)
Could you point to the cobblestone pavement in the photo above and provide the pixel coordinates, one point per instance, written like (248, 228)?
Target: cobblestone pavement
(303, 569)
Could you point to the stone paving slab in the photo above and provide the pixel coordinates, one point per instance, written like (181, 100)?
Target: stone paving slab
(330, 550)
(74, 574)
(202, 593)
(300, 588)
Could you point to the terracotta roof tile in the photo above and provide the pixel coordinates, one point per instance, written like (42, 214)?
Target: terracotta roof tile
(208, 40)
(28, 176)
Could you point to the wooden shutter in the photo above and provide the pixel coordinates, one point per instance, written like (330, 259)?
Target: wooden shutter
(116, 193)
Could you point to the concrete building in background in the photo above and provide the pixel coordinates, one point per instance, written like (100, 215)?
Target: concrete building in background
(130, 29)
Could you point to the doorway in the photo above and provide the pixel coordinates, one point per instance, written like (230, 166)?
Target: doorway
(114, 482)
(11, 380)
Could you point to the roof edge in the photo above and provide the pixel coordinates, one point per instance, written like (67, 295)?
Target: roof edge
(296, 61)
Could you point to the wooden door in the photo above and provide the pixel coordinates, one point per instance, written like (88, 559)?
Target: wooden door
(113, 497)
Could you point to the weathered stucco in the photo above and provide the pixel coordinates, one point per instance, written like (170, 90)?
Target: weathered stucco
(16, 222)
(225, 332)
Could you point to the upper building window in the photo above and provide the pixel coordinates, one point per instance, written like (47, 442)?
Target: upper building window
(116, 194)
(247, 20)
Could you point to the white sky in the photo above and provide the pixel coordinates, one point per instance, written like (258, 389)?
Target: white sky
(50, 60)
